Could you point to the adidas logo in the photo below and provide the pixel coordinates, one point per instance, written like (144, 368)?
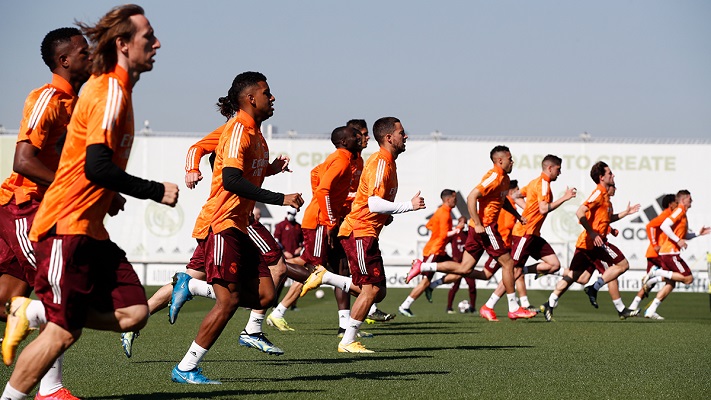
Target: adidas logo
(650, 211)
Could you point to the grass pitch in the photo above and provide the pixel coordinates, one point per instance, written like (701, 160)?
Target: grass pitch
(584, 353)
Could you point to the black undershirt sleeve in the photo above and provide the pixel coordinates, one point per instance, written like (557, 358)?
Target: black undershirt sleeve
(100, 170)
(233, 181)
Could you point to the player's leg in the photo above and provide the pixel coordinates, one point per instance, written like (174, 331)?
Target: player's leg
(415, 293)
(453, 292)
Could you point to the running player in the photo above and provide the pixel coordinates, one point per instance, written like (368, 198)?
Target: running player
(83, 278)
(235, 267)
(526, 239)
(654, 232)
(372, 207)
(440, 224)
(676, 233)
(42, 132)
(485, 202)
(595, 215)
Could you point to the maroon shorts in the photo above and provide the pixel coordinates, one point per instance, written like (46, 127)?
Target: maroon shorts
(315, 245)
(17, 258)
(265, 242)
(489, 241)
(654, 262)
(200, 254)
(436, 258)
(235, 258)
(335, 256)
(597, 258)
(674, 263)
(529, 245)
(492, 265)
(76, 273)
(365, 260)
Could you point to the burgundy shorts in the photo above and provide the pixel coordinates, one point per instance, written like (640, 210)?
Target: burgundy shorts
(654, 262)
(529, 245)
(200, 254)
(235, 258)
(17, 258)
(365, 260)
(336, 255)
(597, 258)
(492, 265)
(489, 241)
(674, 263)
(315, 245)
(436, 258)
(76, 273)
(266, 243)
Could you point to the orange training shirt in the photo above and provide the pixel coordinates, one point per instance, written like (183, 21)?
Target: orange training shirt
(329, 196)
(379, 178)
(536, 191)
(506, 222)
(654, 233)
(241, 146)
(204, 146)
(680, 227)
(45, 117)
(599, 210)
(439, 224)
(494, 187)
(103, 115)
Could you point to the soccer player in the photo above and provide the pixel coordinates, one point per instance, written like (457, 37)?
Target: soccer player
(485, 202)
(289, 235)
(440, 224)
(654, 232)
(321, 218)
(372, 207)
(457, 243)
(43, 128)
(676, 233)
(235, 267)
(526, 239)
(83, 279)
(595, 215)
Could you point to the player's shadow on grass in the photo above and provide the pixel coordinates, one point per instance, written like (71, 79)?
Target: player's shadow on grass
(216, 394)
(284, 361)
(361, 375)
(475, 348)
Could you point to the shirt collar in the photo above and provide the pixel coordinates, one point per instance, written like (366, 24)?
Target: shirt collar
(545, 177)
(498, 169)
(386, 154)
(246, 119)
(60, 83)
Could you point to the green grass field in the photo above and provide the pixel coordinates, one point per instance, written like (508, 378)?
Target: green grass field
(584, 353)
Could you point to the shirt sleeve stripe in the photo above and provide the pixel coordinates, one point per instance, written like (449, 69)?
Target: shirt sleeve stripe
(490, 179)
(40, 106)
(380, 171)
(594, 196)
(189, 159)
(113, 105)
(544, 188)
(235, 140)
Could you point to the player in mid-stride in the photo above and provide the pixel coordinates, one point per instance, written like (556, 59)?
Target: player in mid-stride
(372, 207)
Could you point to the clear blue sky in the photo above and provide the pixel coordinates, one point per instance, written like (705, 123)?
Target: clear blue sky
(523, 68)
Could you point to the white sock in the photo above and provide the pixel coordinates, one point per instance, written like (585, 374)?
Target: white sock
(279, 311)
(428, 267)
(407, 303)
(344, 316)
(619, 305)
(524, 302)
(351, 331)
(35, 314)
(10, 393)
(339, 281)
(635, 303)
(192, 357)
(436, 283)
(553, 300)
(52, 380)
(200, 288)
(599, 283)
(513, 305)
(492, 300)
(654, 280)
(254, 325)
(373, 308)
(653, 306)
(663, 273)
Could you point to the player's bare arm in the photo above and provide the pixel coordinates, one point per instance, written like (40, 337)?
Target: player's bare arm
(581, 214)
(472, 206)
(545, 207)
(28, 165)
